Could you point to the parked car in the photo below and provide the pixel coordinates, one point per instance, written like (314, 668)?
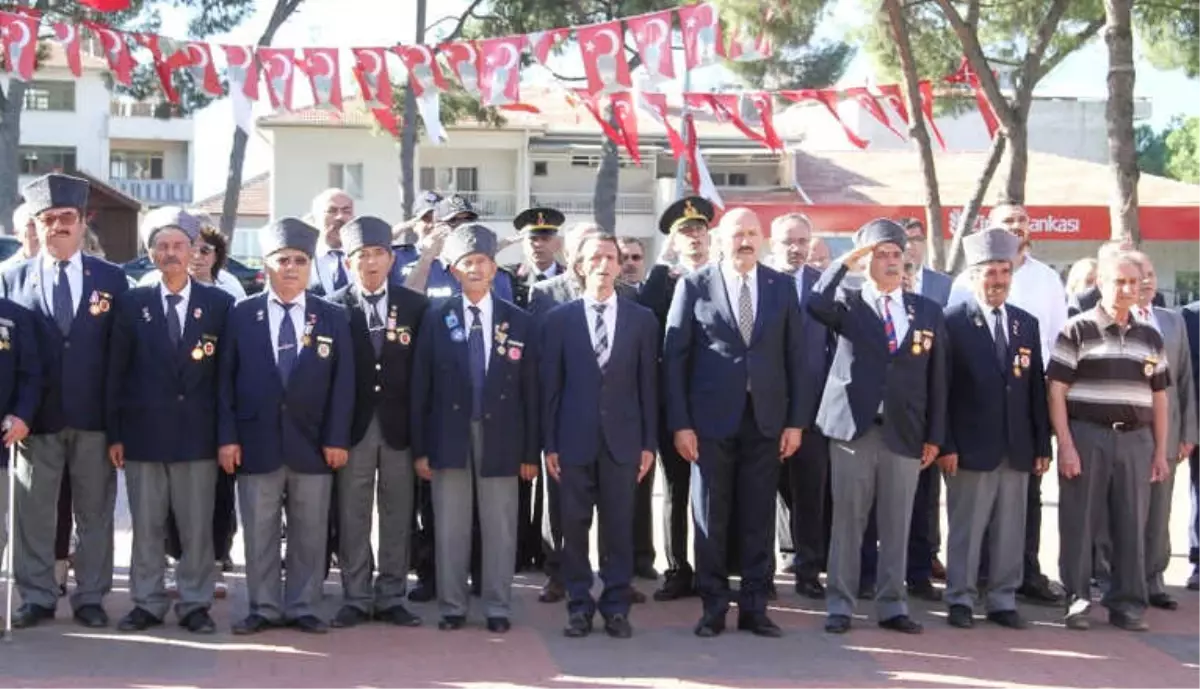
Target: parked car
(8, 246)
(253, 279)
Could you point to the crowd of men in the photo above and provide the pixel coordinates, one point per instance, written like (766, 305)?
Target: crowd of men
(487, 413)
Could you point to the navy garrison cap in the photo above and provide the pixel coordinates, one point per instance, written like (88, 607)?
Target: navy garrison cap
(169, 216)
(288, 233)
(365, 230)
(880, 231)
(468, 239)
(994, 244)
(56, 190)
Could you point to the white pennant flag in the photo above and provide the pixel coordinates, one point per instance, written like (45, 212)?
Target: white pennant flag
(430, 108)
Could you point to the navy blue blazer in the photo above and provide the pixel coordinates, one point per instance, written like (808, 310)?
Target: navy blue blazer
(911, 383)
(162, 399)
(277, 425)
(583, 408)
(707, 365)
(995, 412)
(1191, 318)
(441, 390)
(74, 368)
(20, 366)
(817, 349)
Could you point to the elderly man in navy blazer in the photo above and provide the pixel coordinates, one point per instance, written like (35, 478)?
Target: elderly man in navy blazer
(997, 435)
(734, 382)
(883, 409)
(286, 401)
(162, 422)
(599, 373)
(384, 322)
(72, 297)
(474, 425)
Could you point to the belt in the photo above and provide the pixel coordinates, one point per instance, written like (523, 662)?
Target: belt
(1120, 426)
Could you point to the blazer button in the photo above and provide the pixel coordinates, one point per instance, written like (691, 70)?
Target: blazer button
(283, 406)
(501, 395)
(378, 367)
(455, 407)
(67, 344)
(376, 388)
(181, 398)
(487, 415)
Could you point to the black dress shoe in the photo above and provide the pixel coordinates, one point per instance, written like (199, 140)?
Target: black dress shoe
(759, 624)
(810, 588)
(137, 620)
(451, 623)
(348, 616)
(578, 626)
(617, 626)
(675, 586)
(636, 597)
(309, 624)
(399, 616)
(1006, 618)
(498, 625)
(710, 626)
(1164, 601)
(253, 624)
(903, 624)
(837, 624)
(960, 616)
(30, 615)
(646, 572)
(91, 616)
(924, 590)
(1040, 592)
(552, 592)
(1127, 622)
(423, 592)
(199, 622)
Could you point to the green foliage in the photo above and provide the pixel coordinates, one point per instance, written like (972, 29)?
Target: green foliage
(1170, 31)
(1151, 150)
(1183, 151)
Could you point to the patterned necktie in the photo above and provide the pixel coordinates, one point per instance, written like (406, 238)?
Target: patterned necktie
(889, 327)
(476, 362)
(601, 330)
(64, 308)
(174, 331)
(999, 341)
(339, 278)
(745, 311)
(285, 349)
(374, 322)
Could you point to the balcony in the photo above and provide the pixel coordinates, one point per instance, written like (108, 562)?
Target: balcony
(492, 205)
(156, 192)
(582, 203)
(139, 120)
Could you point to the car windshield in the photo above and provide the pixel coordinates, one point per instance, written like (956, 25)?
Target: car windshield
(8, 247)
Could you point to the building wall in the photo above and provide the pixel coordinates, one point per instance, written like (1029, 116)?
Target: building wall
(85, 129)
(301, 157)
(176, 155)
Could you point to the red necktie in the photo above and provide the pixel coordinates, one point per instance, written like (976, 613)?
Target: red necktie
(889, 328)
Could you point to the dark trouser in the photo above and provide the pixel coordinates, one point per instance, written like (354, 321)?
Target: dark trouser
(677, 480)
(1194, 471)
(422, 534)
(529, 527)
(921, 541)
(745, 465)
(808, 476)
(224, 521)
(552, 536)
(66, 519)
(643, 523)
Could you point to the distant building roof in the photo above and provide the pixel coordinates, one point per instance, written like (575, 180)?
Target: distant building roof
(254, 198)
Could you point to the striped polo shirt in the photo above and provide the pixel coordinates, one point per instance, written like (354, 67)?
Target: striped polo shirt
(1112, 371)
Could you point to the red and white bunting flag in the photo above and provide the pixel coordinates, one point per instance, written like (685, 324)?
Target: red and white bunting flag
(500, 78)
(701, 180)
(243, 69)
(543, 43)
(116, 49)
(727, 107)
(67, 36)
(652, 36)
(626, 113)
(866, 101)
(106, 5)
(324, 76)
(894, 96)
(966, 75)
(20, 33)
(165, 54)
(828, 98)
(746, 45)
(423, 71)
(371, 71)
(604, 62)
(704, 102)
(463, 59)
(655, 104)
(591, 101)
(926, 91)
(701, 29)
(387, 120)
(279, 70)
(196, 57)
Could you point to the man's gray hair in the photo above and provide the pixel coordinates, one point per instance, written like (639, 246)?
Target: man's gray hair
(1109, 263)
(322, 199)
(21, 219)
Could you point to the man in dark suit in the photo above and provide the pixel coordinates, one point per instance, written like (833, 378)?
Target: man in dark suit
(1191, 319)
(599, 380)
(997, 434)
(384, 322)
(72, 297)
(686, 226)
(733, 365)
(883, 409)
(286, 402)
(475, 426)
(162, 423)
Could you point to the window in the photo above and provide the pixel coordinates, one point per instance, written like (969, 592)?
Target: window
(42, 160)
(581, 161)
(447, 180)
(135, 165)
(594, 161)
(428, 179)
(540, 168)
(347, 177)
(466, 179)
(50, 95)
(737, 179)
(718, 178)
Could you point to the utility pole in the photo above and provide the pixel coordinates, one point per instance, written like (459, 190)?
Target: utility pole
(408, 134)
(681, 165)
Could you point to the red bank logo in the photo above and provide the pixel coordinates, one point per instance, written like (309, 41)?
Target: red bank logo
(1053, 225)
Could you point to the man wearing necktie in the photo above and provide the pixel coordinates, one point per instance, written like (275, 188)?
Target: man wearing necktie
(286, 401)
(997, 434)
(734, 384)
(475, 426)
(883, 409)
(162, 423)
(73, 298)
(384, 322)
(599, 376)
(332, 208)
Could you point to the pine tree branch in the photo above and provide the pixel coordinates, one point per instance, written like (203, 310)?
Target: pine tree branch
(978, 62)
(1088, 33)
(1033, 56)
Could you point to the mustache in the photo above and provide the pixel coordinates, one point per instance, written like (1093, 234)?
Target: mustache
(171, 261)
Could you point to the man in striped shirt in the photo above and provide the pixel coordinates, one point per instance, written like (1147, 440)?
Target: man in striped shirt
(1108, 405)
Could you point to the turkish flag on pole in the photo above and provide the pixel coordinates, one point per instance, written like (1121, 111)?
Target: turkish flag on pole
(106, 5)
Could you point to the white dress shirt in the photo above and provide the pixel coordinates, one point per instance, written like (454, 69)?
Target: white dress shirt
(380, 306)
(872, 295)
(181, 307)
(225, 281)
(610, 321)
(326, 268)
(275, 318)
(50, 280)
(917, 279)
(800, 286)
(733, 287)
(485, 321)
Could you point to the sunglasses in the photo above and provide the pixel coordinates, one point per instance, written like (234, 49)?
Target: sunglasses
(289, 261)
(66, 217)
(633, 257)
(204, 250)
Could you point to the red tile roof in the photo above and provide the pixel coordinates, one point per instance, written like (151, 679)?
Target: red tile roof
(253, 200)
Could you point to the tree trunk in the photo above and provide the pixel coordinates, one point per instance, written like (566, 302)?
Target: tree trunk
(966, 219)
(919, 134)
(1018, 159)
(11, 105)
(1118, 114)
(408, 131)
(608, 177)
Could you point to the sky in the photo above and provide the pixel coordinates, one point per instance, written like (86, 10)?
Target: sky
(353, 23)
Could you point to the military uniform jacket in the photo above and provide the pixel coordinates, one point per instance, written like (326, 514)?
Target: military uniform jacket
(441, 393)
(75, 367)
(162, 398)
(278, 425)
(20, 366)
(382, 386)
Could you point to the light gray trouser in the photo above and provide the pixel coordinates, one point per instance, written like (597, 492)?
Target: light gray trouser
(993, 502)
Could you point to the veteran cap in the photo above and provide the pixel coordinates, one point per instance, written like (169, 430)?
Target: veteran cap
(56, 190)
(453, 206)
(993, 244)
(689, 208)
(468, 239)
(365, 230)
(288, 233)
(165, 217)
(539, 221)
(880, 231)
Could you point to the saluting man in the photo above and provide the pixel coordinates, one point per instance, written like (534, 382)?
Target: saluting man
(474, 426)
(431, 274)
(72, 297)
(162, 423)
(285, 407)
(384, 320)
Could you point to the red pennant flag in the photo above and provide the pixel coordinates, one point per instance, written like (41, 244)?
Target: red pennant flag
(652, 36)
(20, 33)
(895, 98)
(324, 76)
(463, 59)
(604, 61)
(866, 100)
(926, 90)
(423, 70)
(500, 78)
(627, 119)
(196, 57)
(106, 5)
(243, 69)
(67, 35)
(705, 103)
(278, 66)
(656, 105)
(387, 120)
(164, 52)
(591, 102)
(828, 98)
(727, 108)
(701, 31)
(371, 71)
(967, 76)
(120, 62)
(543, 43)
(745, 46)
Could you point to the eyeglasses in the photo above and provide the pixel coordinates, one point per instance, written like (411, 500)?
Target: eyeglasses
(289, 261)
(204, 250)
(65, 217)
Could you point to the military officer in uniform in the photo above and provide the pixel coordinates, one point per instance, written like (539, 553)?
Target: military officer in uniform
(286, 401)
(475, 425)
(73, 298)
(384, 320)
(408, 237)
(162, 423)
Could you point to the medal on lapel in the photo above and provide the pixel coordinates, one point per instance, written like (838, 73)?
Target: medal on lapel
(198, 352)
(1016, 365)
(404, 335)
(146, 314)
(197, 313)
(308, 330)
(94, 304)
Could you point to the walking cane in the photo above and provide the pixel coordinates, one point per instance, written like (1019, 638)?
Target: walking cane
(12, 537)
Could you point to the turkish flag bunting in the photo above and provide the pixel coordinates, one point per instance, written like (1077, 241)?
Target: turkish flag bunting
(604, 61)
(463, 59)
(106, 5)
(20, 33)
(120, 62)
(279, 69)
(626, 113)
(966, 75)
(371, 71)
(866, 100)
(387, 120)
(243, 69)
(165, 53)
(701, 30)
(423, 70)
(67, 35)
(324, 76)
(500, 77)
(543, 43)
(895, 98)
(196, 57)
(828, 98)
(656, 105)
(926, 90)
(652, 36)
(727, 108)
(591, 102)
(704, 102)
(745, 46)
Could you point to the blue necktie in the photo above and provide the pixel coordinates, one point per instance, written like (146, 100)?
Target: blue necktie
(64, 308)
(339, 278)
(475, 359)
(173, 329)
(374, 323)
(285, 351)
